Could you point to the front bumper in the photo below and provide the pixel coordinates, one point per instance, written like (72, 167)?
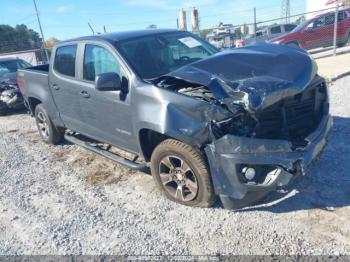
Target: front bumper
(13, 100)
(227, 154)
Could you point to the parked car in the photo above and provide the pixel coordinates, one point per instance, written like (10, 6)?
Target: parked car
(267, 34)
(10, 96)
(319, 32)
(235, 124)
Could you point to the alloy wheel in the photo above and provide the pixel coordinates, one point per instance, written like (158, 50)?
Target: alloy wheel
(178, 178)
(43, 125)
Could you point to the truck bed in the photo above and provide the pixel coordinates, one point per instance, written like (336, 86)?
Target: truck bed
(33, 78)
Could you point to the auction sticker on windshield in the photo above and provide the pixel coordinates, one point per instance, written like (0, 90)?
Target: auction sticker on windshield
(190, 42)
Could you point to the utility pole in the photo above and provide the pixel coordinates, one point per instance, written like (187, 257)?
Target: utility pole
(255, 36)
(285, 13)
(41, 30)
(335, 28)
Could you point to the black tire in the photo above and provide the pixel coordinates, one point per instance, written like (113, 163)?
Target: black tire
(3, 109)
(48, 132)
(188, 171)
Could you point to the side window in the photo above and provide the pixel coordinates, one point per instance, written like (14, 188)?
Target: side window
(65, 60)
(98, 60)
(329, 20)
(342, 16)
(318, 23)
(276, 30)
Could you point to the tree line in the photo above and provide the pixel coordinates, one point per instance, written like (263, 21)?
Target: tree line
(18, 38)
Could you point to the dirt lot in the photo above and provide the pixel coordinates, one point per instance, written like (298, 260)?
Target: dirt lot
(64, 200)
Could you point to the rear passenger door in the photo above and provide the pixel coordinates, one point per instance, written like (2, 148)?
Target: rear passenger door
(343, 27)
(107, 115)
(64, 85)
(328, 30)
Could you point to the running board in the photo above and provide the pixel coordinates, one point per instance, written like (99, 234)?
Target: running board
(107, 154)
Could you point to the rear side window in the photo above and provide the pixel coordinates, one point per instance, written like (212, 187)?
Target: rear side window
(98, 60)
(329, 20)
(276, 30)
(65, 60)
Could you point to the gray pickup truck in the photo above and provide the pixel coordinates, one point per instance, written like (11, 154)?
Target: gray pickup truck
(236, 124)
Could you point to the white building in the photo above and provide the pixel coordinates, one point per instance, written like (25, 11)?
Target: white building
(30, 56)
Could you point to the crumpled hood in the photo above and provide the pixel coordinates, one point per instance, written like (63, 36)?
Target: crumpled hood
(255, 76)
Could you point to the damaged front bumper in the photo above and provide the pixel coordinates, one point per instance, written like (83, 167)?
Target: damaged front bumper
(11, 99)
(276, 162)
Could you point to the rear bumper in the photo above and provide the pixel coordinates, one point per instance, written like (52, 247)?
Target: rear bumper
(227, 155)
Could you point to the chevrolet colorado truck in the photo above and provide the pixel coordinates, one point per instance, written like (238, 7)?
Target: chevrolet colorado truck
(235, 125)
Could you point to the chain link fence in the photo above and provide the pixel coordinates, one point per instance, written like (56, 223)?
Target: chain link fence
(322, 30)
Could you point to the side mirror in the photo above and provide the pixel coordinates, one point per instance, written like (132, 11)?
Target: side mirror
(108, 82)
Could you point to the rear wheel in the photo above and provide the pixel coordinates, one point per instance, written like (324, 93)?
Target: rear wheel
(48, 132)
(182, 174)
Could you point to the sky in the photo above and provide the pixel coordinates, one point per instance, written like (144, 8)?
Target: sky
(65, 19)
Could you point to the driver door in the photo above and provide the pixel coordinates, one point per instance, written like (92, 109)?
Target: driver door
(314, 34)
(107, 114)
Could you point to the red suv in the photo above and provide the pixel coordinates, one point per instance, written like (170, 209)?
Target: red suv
(319, 32)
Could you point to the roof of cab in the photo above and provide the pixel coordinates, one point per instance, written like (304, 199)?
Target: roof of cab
(119, 36)
(8, 58)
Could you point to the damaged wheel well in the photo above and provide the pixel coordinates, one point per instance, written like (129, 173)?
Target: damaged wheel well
(33, 102)
(149, 140)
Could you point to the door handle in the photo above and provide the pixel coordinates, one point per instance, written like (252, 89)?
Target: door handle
(56, 87)
(85, 94)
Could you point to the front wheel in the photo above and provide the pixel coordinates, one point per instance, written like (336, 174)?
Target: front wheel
(48, 132)
(182, 174)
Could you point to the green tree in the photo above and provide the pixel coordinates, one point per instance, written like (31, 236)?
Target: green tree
(49, 43)
(300, 20)
(18, 38)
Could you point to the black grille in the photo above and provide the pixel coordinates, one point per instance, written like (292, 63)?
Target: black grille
(295, 117)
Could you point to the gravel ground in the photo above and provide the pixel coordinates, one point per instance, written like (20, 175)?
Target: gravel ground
(64, 200)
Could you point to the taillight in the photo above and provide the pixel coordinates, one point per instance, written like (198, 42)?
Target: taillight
(20, 84)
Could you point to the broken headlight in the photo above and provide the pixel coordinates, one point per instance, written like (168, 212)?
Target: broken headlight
(240, 125)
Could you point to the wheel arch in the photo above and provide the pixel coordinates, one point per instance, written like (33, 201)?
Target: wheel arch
(149, 139)
(32, 103)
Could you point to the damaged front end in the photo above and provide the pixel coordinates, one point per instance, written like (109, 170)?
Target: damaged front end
(279, 121)
(10, 97)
